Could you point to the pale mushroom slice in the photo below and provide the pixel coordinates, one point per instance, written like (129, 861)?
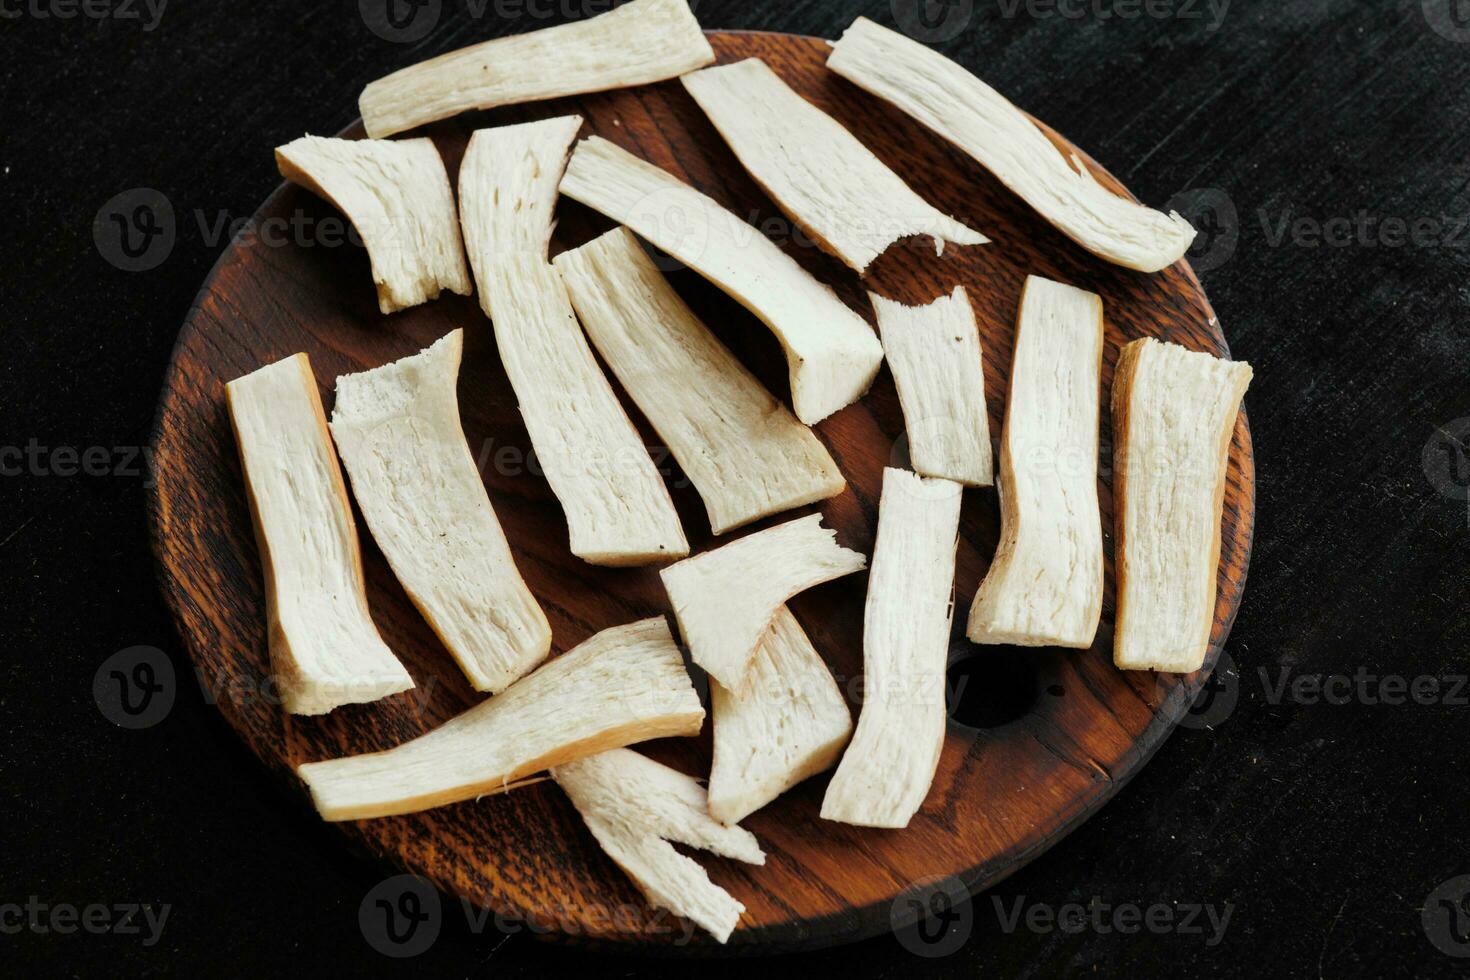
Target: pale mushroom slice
(726, 599)
(890, 763)
(826, 181)
(934, 353)
(789, 724)
(952, 102)
(624, 685)
(640, 42)
(507, 188)
(396, 194)
(832, 354)
(742, 449)
(1045, 584)
(1174, 414)
(618, 510)
(634, 807)
(324, 649)
(398, 431)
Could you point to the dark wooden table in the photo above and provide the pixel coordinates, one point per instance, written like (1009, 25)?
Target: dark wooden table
(1319, 797)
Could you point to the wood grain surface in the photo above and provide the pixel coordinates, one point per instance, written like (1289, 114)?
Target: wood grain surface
(1039, 740)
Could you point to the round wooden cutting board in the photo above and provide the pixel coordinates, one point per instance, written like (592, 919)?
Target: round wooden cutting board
(1039, 739)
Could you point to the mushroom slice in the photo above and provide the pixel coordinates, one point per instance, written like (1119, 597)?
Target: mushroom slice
(744, 450)
(934, 353)
(618, 509)
(397, 196)
(624, 685)
(1174, 414)
(1045, 585)
(398, 431)
(826, 181)
(726, 599)
(635, 807)
(1001, 138)
(324, 649)
(640, 42)
(886, 772)
(507, 188)
(790, 724)
(832, 353)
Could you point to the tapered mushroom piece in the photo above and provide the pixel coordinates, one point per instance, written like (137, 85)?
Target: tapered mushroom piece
(831, 352)
(618, 510)
(726, 599)
(1045, 584)
(743, 450)
(1174, 413)
(396, 194)
(324, 649)
(1001, 138)
(888, 767)
(828, 182)
(934, 353)
(637, 43)
(635, 807)
(789, 724)
(398, 431)
(625, 685)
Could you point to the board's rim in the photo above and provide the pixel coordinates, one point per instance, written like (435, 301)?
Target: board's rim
(815, 933)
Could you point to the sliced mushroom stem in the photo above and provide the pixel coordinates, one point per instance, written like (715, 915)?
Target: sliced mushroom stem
(637, 43)
(888, 767)
(396, 194)
(1045, 584)
(324, 649)
(398, 431)
(624, 685)
(831, 352)
(964, 110)
(634, 807)
(742, 449)
(1174, 413)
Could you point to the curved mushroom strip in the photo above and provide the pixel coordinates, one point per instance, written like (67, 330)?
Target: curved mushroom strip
(744, 450)
(1045, 585)
(934, 353)
(324, 649)
(885, 774)
(635, 807)
(397, 196)
(823, 178)
(398, 431)
(1174, 414)
(625, 685)
(1002, 139)
(507, 189)
(618, 509)
(789, 724)
(832, 354)
(725, 599)
(640, 42)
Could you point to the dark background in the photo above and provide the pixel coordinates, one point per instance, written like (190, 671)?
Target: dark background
(1300, 133)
